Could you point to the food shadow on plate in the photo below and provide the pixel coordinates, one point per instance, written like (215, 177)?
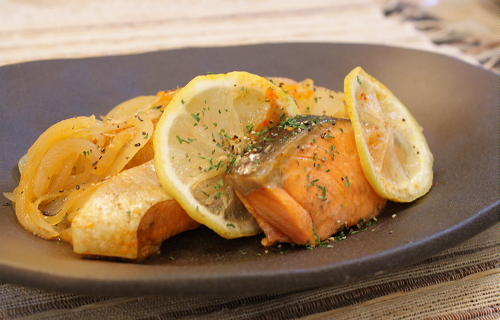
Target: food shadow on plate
(16, 175)
(203, 246)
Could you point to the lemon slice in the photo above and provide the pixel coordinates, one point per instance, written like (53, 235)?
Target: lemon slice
(312, 99)
(393, 151)
(203, 132)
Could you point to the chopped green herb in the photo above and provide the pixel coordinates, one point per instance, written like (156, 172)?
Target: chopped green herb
(347, 183)
(182, 140)
(230, 225)
(362, 226)
(219, 185)
(312, 182)
(231, 162)
(262, 132)
(358, 79)
(196, 116)
(214, 166)
(223, 133)
(319, 242)
(293, 123)
(339, 236)
(87, 153)
(322, 196)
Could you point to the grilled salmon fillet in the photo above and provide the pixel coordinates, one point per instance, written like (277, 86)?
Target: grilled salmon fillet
(303, 181)
(127, 216)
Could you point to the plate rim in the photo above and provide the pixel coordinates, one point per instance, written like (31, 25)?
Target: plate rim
(399, 256)
(470, 62)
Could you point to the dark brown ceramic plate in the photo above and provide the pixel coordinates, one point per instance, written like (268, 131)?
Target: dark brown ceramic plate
(457, 104)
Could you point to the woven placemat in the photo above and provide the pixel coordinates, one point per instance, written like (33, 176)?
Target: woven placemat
(460, 283)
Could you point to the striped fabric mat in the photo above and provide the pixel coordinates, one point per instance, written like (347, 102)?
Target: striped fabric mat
(460, 283)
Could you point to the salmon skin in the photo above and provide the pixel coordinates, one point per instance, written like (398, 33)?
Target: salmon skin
(303, 182)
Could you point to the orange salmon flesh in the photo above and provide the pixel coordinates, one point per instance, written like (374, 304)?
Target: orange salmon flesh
(311, 187)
